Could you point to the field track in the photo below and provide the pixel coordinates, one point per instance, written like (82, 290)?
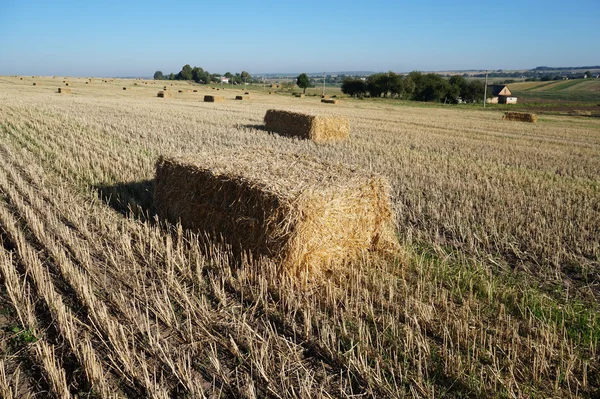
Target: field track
(494, 292)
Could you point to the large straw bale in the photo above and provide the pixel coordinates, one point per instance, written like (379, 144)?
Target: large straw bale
(330, 101)
(520, 116)
(319, 128)
(214, 99)
(299, 95)
(164, 94)
(64, 90)
(242, 97)
(305, 214)
(325, 96)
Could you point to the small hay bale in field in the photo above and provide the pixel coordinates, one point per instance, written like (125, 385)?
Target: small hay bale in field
(246, 92)
(242, 97)
(318, 128)
(36, 84)
(135, 84)
(520, 116)
(164, 94)
(195, 91)
(304, 214)
(179, 91)
(325, 96)
(66, 84)
(214, 99)
(64, 90)
(87, 82)
(270, 92)
(299, 95)
(21, 79)
(330, 101)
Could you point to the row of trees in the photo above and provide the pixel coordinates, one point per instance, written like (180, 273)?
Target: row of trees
(415, 86)
(199, 75)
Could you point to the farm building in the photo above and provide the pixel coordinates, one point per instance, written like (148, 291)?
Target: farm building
(501, 95)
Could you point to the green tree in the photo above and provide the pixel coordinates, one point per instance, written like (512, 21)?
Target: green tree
(378, 85)
(197, 74)
(354, 87)
(431, 87)
(473, 91)
(171, 76)
(186, 73)
(158, 75)
(228, 75)
(303, 81)
(245, 76)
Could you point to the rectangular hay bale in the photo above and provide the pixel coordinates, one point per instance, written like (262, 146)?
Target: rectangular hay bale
(299, 95)
(305, 214)
(242, 97)
(330, 101)
(319, 128)
(213, 99)
(164, 94)
(520, 116)
(64, 90)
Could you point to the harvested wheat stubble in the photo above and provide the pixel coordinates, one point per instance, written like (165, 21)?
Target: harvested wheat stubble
(304, 214)
(164, 94)
(64, 90)
(242, 97)
(319, 128)
(214, 99)
(330, 101)
(520, 116)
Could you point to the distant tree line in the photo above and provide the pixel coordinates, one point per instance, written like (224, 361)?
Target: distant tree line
(415, 86)
(199, 75)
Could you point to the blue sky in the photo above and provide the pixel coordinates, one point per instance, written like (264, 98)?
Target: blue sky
(136, 38)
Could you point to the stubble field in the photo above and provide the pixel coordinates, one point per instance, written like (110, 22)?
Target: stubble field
(494, 292)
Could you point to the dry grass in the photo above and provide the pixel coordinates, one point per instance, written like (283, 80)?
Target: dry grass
(493, 293)
(318, 128)
(520, 117)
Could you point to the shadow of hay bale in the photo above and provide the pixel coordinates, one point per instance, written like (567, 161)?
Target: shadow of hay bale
(134, 199)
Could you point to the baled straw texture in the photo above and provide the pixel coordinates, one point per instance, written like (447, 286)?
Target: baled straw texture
(299, 95)
(213, 99)
(329, 101)
(319, 128)
(520, 116)
(64, 90)
(325, 96)
(164, 94)
(304, 214)
(242, 97)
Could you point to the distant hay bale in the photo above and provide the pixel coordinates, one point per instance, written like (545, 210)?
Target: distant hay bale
(270, 92)
(124, 88)
(87, 82)
(242, 97)
(325, 96)
(330, 101)
(179, 91)
(21, 79)
(299, 95)
(135, 84)
(317, 128)
(520, 116)
(246, 92)
(214, 99)
(306, 215)
(64, 90)
(195, 91)
(164, 94)
(36, 84)
(274, 86)
(66, 84)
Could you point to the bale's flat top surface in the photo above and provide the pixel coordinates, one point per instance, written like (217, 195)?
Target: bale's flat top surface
(286, 175)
